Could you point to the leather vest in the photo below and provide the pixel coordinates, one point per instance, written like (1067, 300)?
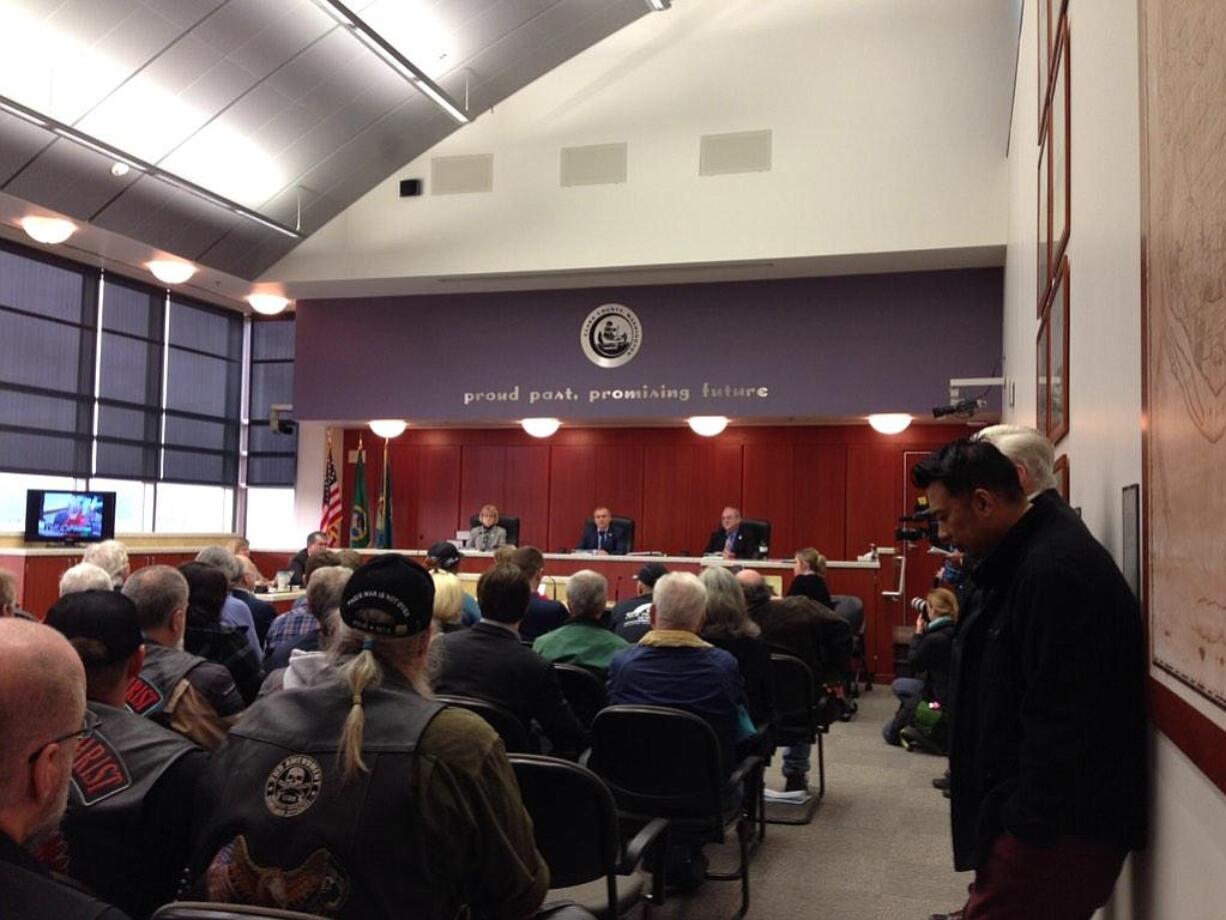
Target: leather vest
(150, 692)
(289, 831)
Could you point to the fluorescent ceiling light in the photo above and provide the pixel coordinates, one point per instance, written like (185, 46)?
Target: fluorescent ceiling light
(890, 422)
(268, 304)
(388, 427)
(541, 427)
(708, 425)
(171, 271)
(49, 230)
(97, 146)
(393, 58)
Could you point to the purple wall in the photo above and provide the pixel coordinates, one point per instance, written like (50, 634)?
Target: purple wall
(818, 348)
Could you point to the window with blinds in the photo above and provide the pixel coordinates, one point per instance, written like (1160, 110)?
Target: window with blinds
(272, 458)
(202, 394)
(48, 330)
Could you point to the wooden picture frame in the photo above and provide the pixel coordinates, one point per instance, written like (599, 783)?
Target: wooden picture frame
(1183, 430)
(1058, 355)
(1061, 470)
(1043, 235)
(1043, 53)
(1042, 365)
(1130, 536)
(1060, 137)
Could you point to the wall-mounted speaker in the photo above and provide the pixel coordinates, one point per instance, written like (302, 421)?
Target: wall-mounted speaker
(410, 188)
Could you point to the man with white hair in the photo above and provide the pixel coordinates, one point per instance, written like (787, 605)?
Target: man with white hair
(583, 640)
(112, 557)
(85, 576)
(1031, 454)
(42, 720)
(671, 666)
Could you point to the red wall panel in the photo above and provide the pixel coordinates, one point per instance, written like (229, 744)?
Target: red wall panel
(483, 470)
(668, 481)
(874, 495)
(619, 482)
(527, 491)
(718, 466)
(572, 493)
(820, 490)
(437, 494)
(769, 490)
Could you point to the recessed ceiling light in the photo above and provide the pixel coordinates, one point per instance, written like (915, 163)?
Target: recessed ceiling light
(268, 304)
(119, 169)
(49, 230)
(171, 271)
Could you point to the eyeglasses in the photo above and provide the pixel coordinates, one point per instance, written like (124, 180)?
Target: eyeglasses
(88, 724)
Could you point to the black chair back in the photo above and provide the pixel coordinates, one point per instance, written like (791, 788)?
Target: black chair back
(201, 910)
(574, 820)
(850, 608)
(762, 534)
(659, 762)
(508, 522)
(512, 731)
(584, 691)
(626, 524)
(795, 696)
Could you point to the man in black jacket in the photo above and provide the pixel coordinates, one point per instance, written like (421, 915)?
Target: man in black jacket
(604, 536)
(489, 662)
(733, 540)
(1048, 739)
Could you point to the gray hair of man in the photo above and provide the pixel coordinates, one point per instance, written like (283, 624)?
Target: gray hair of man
(326, 588)
(157, 591)
(586, 594)
(680, 602)
(1027, 449)
(111, 556)
(8, 593)
(727, 615)
(221, 558)
(85, 576)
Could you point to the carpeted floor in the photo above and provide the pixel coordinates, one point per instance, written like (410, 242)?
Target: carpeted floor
(878, 847)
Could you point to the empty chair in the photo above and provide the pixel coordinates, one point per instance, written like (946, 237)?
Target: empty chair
(585, 692)
(513, 732)
(665, 763)
(574, 820)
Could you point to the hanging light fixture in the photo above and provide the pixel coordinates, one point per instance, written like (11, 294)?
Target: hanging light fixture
(708, 425)
(171, 271)
(541, 427)
(890, 422)
(49, 230)
(267, 304)
(388, 427)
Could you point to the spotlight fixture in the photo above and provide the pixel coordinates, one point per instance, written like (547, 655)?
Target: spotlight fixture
(119, 169)
(707, 425)
(890, 422)
(171, 271)
(267, 304)
(388, 427)
(659, 6)
(386, 51)
(49, 230)
(541, 427)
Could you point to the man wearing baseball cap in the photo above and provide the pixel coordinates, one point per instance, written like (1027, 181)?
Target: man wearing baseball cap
(130, 808)
(631, 618)
(358, 795)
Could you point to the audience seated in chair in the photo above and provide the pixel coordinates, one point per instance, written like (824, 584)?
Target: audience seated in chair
(303, 792)
(583, 640)
(42, 722)
(292, 626)
(444, 557)
(489, 662)
(234, 611)
(809, 568)
(130, 814)
(178, 690)
(631, 618)
(112, 557)
(729, 627)
(208, 637)
(448, 602)
(543, 614)
(323, 595)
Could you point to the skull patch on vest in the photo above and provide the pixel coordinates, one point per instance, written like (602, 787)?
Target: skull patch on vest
(293, 786)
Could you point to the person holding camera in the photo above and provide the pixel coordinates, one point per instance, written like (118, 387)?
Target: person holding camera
(930, 655)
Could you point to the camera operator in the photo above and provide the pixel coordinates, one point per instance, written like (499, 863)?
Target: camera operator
(930, 654)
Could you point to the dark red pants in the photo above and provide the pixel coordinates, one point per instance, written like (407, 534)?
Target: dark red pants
(1067, 881)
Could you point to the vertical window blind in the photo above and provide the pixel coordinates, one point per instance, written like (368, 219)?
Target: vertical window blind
(271, 457)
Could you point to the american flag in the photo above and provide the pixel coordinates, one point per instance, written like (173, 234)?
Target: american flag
(330, 520)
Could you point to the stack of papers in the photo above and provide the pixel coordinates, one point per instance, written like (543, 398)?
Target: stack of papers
(799, 797)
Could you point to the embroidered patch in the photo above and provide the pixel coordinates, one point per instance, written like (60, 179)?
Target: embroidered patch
(98, 772)
(318, 885)
(142, 697)
(293, 786)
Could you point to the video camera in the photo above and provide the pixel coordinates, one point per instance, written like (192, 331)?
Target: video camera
(921, 515)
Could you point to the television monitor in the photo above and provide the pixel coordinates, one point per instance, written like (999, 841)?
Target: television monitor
(59, 516)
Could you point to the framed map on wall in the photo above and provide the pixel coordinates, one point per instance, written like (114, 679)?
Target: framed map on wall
(1184, 371)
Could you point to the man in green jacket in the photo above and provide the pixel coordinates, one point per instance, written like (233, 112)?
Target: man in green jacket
(583, 640)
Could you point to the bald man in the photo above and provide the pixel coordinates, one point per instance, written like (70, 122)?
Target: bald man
(42, 719)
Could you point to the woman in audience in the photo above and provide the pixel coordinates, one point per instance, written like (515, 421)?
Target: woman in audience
(729, 627)
(930, 655)
(810, 580)
(208, 637)
(487, 536)
(448, 602)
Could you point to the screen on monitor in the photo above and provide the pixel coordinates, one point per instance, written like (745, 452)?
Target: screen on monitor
(69, 517)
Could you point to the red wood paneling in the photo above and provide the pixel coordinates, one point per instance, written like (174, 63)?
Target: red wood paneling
(572, 493)
(874, 482)
(437, 494)
(667, 496)
(619, 482)
(483, 470)
(527, 491)
(717, 483)
(820, 499)
(768, 486)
